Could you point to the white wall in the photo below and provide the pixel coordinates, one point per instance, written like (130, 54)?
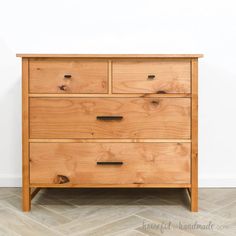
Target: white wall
(127, 26)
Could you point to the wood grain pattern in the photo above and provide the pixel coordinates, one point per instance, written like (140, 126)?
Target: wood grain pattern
(112, 95)
(110, 55)
(118, 140)
(142, 163)
(34, 192)
(171, 76)
(142, 118)
(25, 135)
(87, 76)
(156, 140)
(69, 185)
(110, 77)
(194, 128)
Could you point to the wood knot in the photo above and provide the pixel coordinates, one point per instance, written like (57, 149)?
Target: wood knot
(62, 87)
(61, 179)
(104, 84)
(155, 102)
(161, 92)
(144, 95)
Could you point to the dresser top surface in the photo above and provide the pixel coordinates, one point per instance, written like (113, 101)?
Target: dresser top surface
(109, 55)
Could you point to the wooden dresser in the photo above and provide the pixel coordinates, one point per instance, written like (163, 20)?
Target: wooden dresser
(112, 121)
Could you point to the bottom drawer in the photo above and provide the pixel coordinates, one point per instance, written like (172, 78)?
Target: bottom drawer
(109, 163)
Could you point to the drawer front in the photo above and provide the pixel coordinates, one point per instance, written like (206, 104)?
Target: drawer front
(109, 163)
(110, 118)
(157, 76)
(68, 76)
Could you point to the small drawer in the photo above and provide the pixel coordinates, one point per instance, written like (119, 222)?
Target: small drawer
(151, 76)
(68, 76)
(110, 118)
(109, 163)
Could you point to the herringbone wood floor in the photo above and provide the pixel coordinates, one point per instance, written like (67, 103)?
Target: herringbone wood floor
(125, 212)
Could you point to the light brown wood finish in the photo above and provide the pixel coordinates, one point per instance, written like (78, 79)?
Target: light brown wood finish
(25, 135)
(110, 56)
(110, 77)
(194, 128)
(68, 185)
(63, 119)
(130, 95)
(143, 163)
(166, 76)
(34, 192)
(87, 76)
(110, 140)
(142, 118)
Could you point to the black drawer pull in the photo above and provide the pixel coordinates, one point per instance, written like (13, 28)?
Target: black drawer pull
(109, 117)
(110, 163)
(67, 76)
(151, 77)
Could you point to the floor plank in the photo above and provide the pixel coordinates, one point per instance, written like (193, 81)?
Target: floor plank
(23, 225)
(117, 212)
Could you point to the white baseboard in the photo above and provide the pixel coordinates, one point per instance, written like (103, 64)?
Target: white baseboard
(10, 181)
(209, 182)
(216, 182)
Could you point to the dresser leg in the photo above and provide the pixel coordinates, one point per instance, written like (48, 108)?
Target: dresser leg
(194, 199)
(26, 199)
(194, 126)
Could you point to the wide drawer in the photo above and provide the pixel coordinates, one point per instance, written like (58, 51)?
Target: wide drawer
(151, 76)
(110, 118)
(68, 76)
(109, 163)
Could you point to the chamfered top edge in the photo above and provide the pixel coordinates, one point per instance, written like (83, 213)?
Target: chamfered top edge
(109, 55)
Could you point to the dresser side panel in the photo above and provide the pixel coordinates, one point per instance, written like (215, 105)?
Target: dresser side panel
(25, 135)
